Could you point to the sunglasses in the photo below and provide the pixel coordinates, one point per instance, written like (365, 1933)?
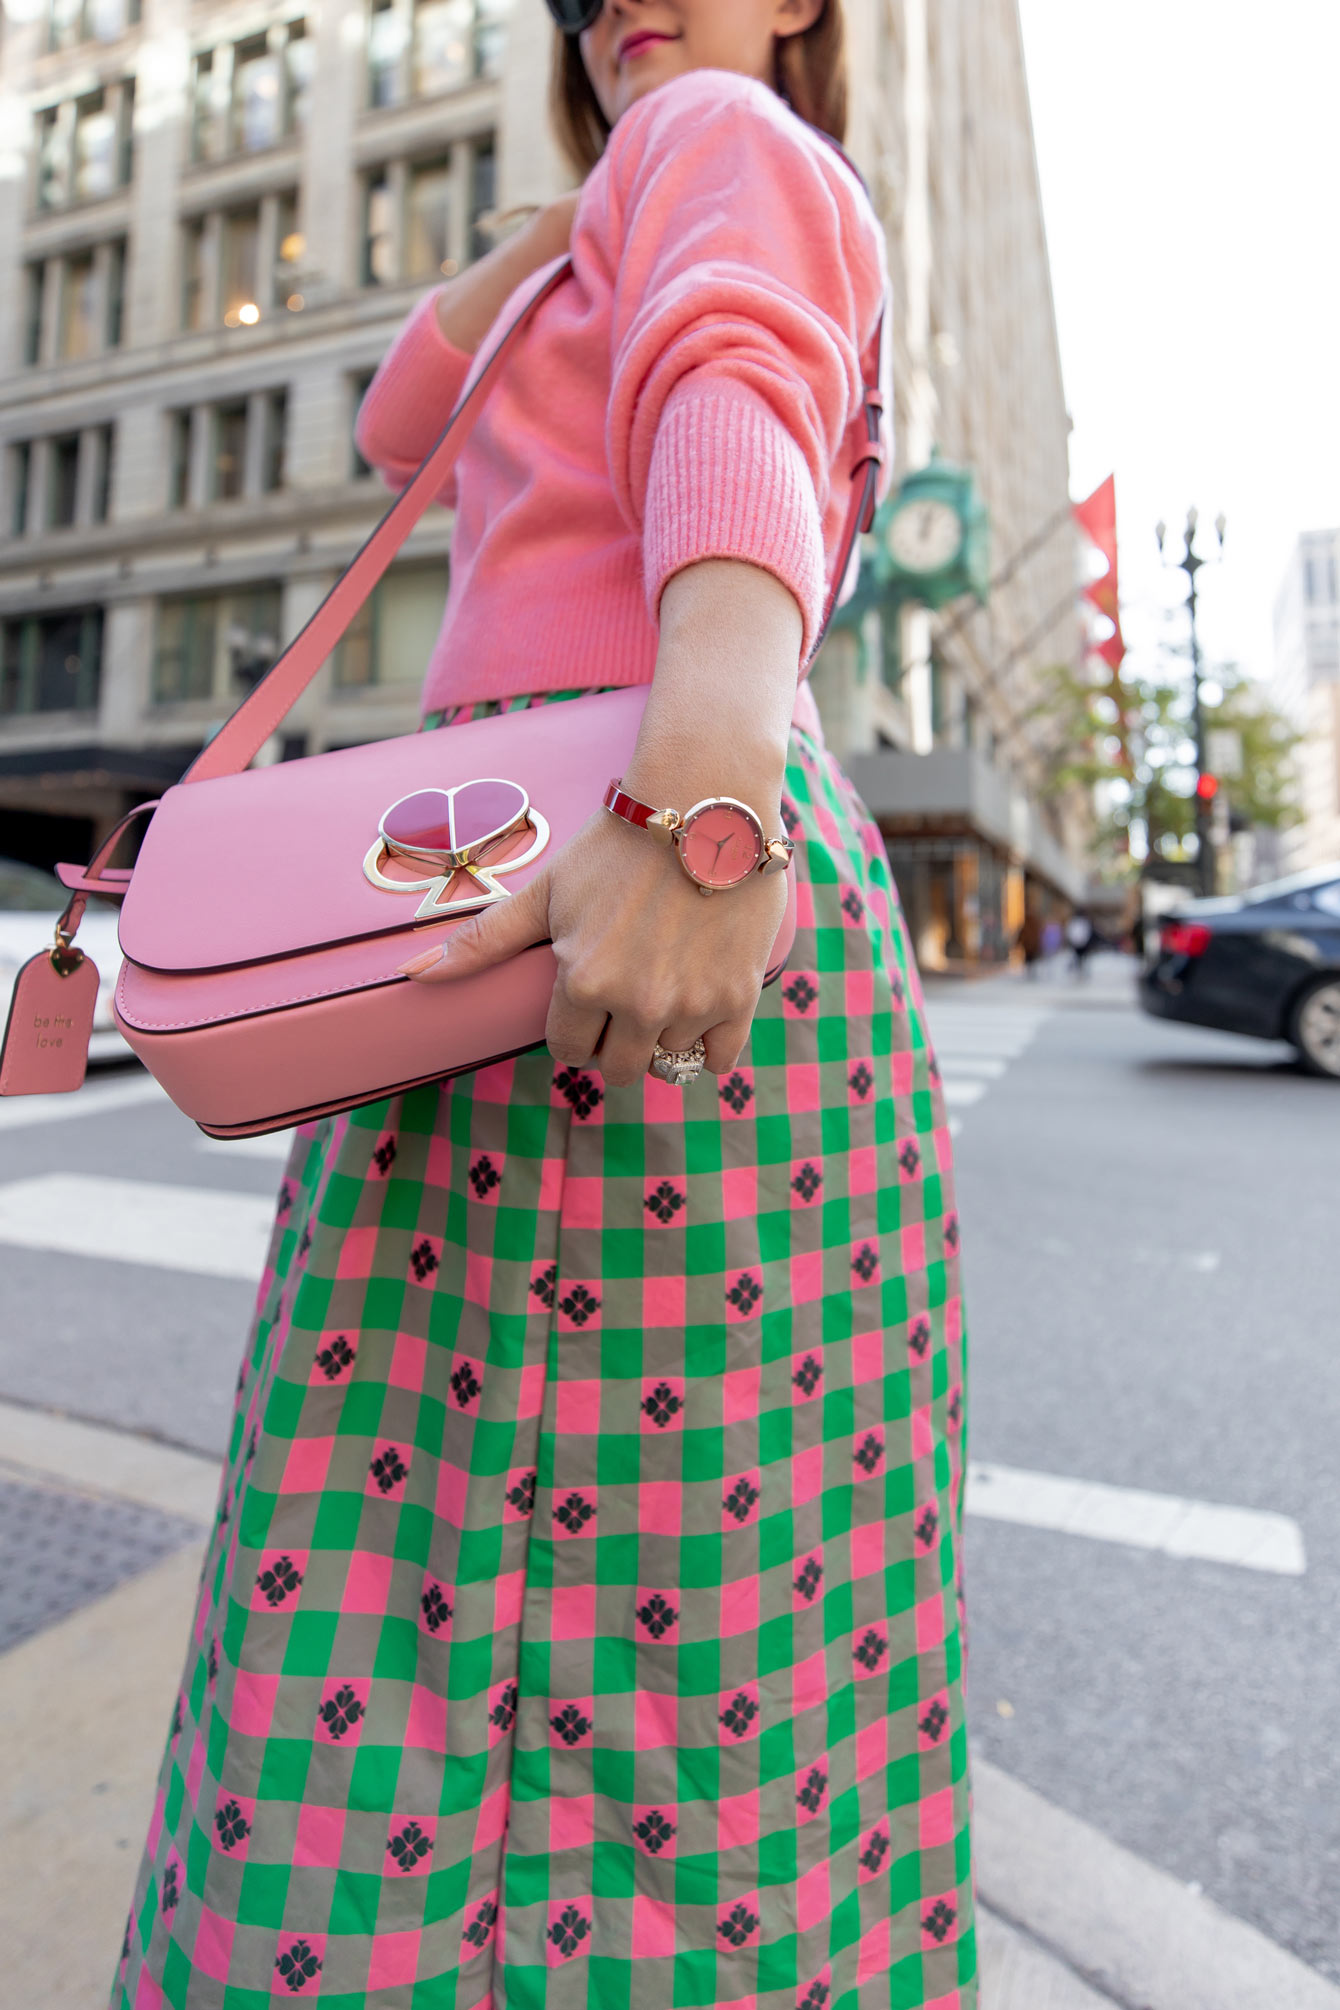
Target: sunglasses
(574, 17)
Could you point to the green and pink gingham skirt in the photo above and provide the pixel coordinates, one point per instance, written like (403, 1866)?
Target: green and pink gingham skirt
(579, 1626)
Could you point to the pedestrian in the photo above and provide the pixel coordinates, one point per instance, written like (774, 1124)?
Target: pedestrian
(1082, 939)
(1029, 942)
(580, 1619)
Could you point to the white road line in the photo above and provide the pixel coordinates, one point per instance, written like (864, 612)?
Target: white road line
(90, 1101)
(274, 1145)
(89, 1458)
(200, 1229)
(959, 1095)
(1247, 1537)
(965, 1064)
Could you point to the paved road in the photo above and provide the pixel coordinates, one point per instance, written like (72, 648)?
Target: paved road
(1152, 1234)
(1154, 1276)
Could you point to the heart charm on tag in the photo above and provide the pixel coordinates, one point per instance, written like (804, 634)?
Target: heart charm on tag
(456, 830)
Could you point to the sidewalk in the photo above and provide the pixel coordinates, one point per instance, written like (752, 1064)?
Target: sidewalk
(1108, 984)
(1069, 1921)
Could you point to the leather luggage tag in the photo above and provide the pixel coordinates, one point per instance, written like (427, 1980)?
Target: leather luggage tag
(50, 1024)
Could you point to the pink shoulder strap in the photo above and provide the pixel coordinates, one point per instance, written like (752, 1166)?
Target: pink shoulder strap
(237, 743)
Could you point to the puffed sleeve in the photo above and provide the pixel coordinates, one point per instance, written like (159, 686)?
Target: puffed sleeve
(411, 397)
(748, 274)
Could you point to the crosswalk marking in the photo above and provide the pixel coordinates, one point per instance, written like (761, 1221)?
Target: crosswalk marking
(975, 1044)
(199, 1229)
(91, 1101)
(273, 1145)
(1204, 1530)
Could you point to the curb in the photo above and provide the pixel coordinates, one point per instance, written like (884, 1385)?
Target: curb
(1130, 1929)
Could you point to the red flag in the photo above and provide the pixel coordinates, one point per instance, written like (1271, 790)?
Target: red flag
(1113, 651)
(1103, 594)
(1097, 518)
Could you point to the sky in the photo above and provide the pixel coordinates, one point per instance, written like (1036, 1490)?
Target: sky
(1189, 153)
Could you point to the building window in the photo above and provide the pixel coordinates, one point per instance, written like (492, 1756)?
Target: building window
(63, 482)
(228, 460)
(244, 441)
(241, 272)
(86, 295)
(483, 185)
(79, 332)
(179, 459)
(20, 477)
(274, 434)
(238, 264)
(421, 48)
(252, 94)
(359, 469)
(424, 219)
(443, 46)
(84, 146)
(387, 37)
(51, 662)
(32, 313)
(70, 22)
(428, 220)
(103, 447)
(211, 645)
(393, 633)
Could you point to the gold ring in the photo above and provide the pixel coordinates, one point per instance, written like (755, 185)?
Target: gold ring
(679, 1067)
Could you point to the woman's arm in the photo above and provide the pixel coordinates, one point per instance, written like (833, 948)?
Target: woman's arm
(641, 955)
(411, 397)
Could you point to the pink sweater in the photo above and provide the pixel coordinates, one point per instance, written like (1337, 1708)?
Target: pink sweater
(687, 395)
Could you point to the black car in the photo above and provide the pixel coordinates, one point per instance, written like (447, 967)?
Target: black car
(1265, 962)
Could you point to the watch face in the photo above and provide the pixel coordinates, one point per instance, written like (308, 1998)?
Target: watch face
(721, 844)
(925, 536)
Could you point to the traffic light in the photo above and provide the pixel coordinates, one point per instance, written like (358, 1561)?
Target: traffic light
(1207, 787)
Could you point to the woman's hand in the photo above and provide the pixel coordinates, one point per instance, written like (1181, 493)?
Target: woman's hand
(642, 956)
(468, 305)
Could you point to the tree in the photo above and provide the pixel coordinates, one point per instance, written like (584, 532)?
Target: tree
(1131, 740)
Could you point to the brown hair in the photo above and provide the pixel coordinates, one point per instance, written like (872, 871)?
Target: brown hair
(811, 76)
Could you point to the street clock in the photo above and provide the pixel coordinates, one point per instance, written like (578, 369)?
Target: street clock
(935, 535)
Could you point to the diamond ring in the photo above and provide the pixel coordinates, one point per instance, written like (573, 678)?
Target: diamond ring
(680, 1067)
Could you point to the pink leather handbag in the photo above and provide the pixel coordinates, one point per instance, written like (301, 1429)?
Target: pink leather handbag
(256, 1009)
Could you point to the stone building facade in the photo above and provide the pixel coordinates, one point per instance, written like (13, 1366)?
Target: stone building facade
(1307, 689)
(213, 216)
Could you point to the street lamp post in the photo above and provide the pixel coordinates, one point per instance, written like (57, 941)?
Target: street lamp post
(1190, 563)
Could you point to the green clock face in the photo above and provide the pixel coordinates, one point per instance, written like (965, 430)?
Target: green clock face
(925, 536)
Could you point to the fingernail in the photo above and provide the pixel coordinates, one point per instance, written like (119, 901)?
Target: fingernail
(418, 964)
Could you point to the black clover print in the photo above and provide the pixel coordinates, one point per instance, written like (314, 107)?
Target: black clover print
(232, 1825)
(739, 1714)
(657, 1615)
(410, 1847)
(436, 1610)
(569, 1930)
(388, 1469)
(661, 1405)
(340, 1712)
(297, 1965)
(579, 1091)
(654, 1831)
(335, 1358)
(736, 1093)
(481, 1926)
(570, 1725)
(279, 1581)
(665, 1202)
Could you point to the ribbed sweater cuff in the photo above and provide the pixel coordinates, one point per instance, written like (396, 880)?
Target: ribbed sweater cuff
(727, 480)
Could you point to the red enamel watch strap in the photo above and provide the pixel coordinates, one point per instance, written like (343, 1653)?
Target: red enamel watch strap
(628, 807)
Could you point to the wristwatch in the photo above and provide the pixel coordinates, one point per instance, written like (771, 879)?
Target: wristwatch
(720, 842)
